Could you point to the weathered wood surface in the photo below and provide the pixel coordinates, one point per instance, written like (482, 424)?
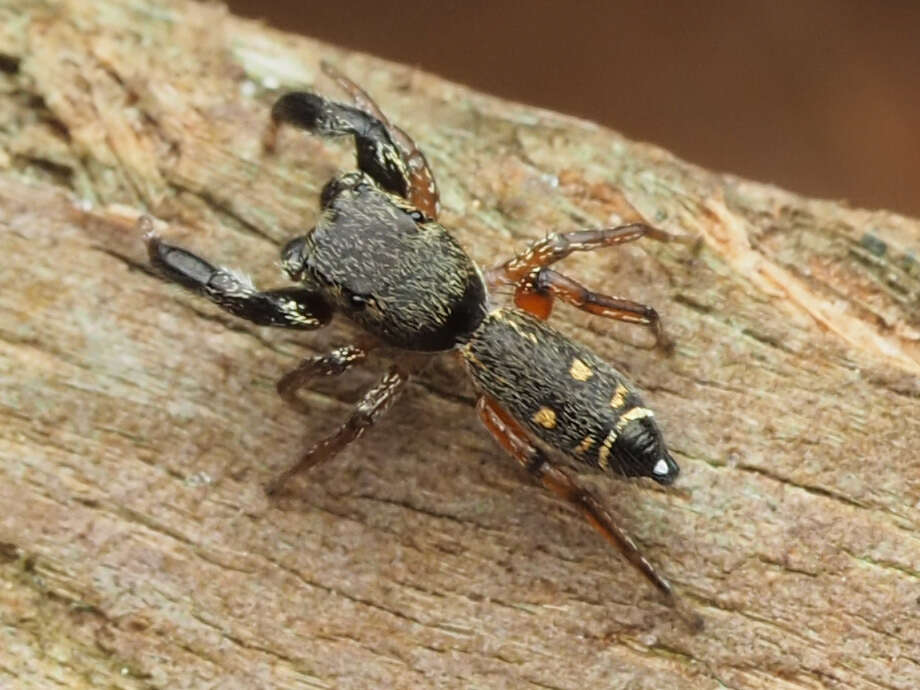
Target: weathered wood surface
(138, 424)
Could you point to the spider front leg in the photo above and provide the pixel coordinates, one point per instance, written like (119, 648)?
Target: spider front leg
(536, 285)
(375, 402)
(285, 308)
(384, 152)
(512, 437)
(423, 190)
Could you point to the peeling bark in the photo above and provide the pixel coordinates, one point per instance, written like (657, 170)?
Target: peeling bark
(138, 424)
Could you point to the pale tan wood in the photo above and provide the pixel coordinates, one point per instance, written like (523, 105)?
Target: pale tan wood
(138, 424)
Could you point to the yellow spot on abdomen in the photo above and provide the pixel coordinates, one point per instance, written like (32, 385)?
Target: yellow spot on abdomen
(580, 371)
(619, 397)
(585, 445)
(545, 417)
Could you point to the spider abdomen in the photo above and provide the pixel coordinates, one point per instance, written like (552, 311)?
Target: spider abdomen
(566, 396)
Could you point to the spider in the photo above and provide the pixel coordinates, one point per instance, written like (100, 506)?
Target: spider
(378, 255)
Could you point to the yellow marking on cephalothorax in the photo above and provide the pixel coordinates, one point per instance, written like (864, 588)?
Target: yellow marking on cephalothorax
(603, 455)
(619, 397)
(545, 417)
(631, 415)
(580, 371)
(585, 445)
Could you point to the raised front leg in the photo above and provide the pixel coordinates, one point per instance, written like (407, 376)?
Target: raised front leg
(286, 307)
(384, 152)
(423, 190)
(374, 403)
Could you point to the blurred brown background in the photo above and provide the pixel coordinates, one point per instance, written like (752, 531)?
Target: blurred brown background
(820, 97)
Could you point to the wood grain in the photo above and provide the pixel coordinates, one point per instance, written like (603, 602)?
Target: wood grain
(139, 424)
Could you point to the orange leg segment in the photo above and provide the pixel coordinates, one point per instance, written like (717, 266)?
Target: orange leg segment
(536, 286)
(512, 437)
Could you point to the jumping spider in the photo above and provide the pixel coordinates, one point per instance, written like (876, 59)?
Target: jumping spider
(378, 255)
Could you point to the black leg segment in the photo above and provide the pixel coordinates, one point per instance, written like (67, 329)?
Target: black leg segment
(423, 190)
(286, 307)
(378, 155)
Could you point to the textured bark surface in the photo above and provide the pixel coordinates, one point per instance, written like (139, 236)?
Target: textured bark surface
(138, 424)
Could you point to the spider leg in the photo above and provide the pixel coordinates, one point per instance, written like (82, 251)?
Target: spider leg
(512, 437)
(536, 292)
(375, 402)
(286, 307)
(334, 363)
(423, 190)
(383, 152)
(555, 247)
(536, 285)
(359, 97)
